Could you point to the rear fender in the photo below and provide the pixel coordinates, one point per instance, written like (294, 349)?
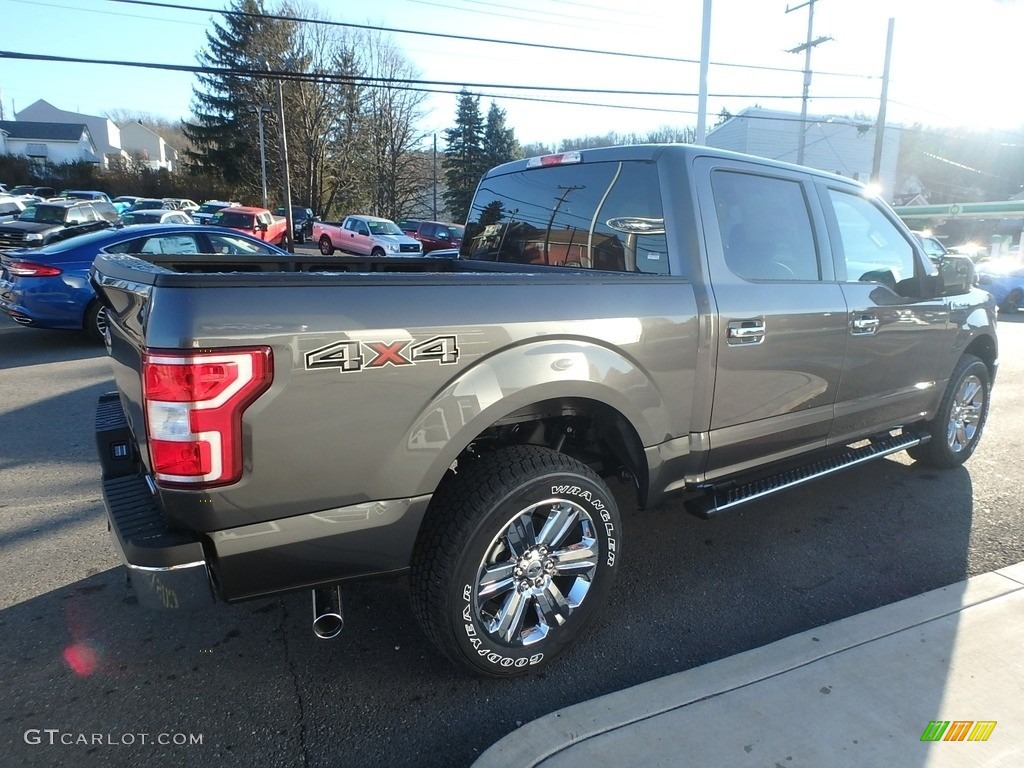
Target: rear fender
(515, 379)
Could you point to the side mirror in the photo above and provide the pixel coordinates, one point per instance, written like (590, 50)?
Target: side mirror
(957, 274)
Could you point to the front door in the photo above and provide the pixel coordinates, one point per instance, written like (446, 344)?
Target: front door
(896, 340)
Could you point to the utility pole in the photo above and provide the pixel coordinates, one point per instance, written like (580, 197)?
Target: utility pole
(806, 49)
(287, 180)
(260, 110)
(876, 160)
(435, 176)
(705, 52)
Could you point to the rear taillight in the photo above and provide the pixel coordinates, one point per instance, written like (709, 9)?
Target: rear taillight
(31, 269)
(194, 404)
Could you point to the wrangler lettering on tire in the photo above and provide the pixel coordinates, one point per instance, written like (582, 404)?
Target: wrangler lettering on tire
(515, 559)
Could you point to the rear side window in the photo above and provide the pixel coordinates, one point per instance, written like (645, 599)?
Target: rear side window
(604, 216)
(765, 226)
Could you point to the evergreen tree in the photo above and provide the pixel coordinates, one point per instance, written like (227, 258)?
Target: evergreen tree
(224, 133)
(499, 143)
(464, 158)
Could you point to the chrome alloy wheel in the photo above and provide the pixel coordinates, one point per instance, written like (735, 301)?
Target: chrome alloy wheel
(965, 415)
(536, 572)
(101, 323)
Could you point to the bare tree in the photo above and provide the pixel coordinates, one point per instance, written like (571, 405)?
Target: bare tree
(392, 114)
(313, 107)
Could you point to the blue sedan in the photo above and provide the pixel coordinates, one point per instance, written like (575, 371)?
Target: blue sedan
(49, 287)
(1004, 279)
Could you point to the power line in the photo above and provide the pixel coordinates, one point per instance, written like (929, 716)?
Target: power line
(469, 38)
(324, 77)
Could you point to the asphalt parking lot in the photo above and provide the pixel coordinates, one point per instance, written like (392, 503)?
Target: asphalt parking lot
(92, 679)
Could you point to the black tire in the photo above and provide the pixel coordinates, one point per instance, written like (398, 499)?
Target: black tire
(326, 246)
(94, 323)
(960, 420)
(515, 559)
(300, 237)
(377, 253)
(1012, 302)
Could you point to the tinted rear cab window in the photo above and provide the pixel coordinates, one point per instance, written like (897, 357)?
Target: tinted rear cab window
(604, 215)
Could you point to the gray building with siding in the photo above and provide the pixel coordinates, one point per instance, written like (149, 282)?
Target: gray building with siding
(834, 143)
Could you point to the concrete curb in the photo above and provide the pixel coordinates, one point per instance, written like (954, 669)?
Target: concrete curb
(553, 734)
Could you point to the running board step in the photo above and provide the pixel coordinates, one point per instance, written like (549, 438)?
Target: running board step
(720, 498)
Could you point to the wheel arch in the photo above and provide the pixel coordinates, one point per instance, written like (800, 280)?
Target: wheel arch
(985, 349)
(601, 409)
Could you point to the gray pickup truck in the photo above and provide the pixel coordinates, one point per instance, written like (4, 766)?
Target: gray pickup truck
(688, 319)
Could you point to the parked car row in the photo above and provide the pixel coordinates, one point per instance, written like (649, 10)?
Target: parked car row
(48, 287)
(47, 246)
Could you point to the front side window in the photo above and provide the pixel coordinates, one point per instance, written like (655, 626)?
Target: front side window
(604, 216)
(874, 251)
(765, 226)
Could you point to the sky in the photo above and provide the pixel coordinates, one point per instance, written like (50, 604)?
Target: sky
(952, 60)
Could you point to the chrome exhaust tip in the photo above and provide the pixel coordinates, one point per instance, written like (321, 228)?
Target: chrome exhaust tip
(327, 617)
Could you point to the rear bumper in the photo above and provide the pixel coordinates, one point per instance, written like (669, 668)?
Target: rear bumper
(177, 568)
(167, 568)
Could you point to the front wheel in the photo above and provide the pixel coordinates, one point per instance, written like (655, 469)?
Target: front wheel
(377, 253)
(515, 559)
(326, 246)
(958, 424)
(1012, 302)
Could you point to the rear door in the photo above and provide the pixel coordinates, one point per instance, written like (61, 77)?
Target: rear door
(780, 327)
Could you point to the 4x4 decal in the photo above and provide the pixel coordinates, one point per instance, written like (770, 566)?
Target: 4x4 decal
(351, 356)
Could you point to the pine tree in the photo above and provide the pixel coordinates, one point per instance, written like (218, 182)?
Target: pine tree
(464, 158)
(224, 133)
(500, 144)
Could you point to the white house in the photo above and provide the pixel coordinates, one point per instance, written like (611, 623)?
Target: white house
(842, 145)
(147, 145)
(53, 142)
(105, 133)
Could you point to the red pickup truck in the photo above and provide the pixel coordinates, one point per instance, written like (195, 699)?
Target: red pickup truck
(258, 222)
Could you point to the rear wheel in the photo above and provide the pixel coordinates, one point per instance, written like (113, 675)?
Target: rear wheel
(95, 321)
(515, 560)
(326, 246)
(958, 424)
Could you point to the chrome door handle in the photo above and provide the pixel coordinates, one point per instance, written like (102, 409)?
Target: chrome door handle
(746, 332)
(864, 325)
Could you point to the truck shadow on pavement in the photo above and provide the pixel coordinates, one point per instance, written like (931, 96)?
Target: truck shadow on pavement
(260, 689)
(31, 346)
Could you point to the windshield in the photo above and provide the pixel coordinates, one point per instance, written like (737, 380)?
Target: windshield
(384, 228)
(225, 218)
(141, 217)
(604, 216)
(43, 213)
(98, 239)
(211, 207)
